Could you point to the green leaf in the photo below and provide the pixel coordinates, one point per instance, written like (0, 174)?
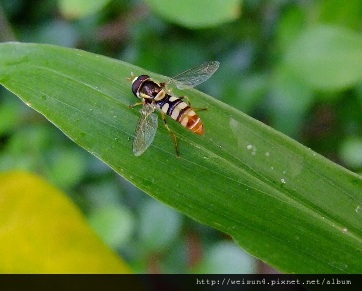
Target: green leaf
(351, 151)
(80, 8)
(114, 224)
(333, 12)
(290, 100)
(327, 57)
(159, 226)
(281, 201)
(226, 258)
(197, 14)
(43, 232)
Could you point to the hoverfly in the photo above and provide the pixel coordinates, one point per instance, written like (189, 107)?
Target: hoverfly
(155, 96)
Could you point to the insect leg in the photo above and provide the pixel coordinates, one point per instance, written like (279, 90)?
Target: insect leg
(172, 134)
(132, 77)
(199, 109)
(189, 104)
(136, 104)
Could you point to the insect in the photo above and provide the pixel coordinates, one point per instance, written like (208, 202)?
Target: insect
(156, 96)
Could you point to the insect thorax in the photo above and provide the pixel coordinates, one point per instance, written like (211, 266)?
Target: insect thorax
(149, 90)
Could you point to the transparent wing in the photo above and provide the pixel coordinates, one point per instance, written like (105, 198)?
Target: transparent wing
(194, 76)
(146, 129)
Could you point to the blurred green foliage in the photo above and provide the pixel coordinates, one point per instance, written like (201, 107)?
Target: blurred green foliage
(272, 68)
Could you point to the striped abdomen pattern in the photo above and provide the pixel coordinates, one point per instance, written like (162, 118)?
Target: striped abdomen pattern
(181, 112)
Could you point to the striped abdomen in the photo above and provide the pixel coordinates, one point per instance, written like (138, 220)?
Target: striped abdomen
(181, 112)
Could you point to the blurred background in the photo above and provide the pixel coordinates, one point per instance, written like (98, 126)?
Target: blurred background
(251, 38)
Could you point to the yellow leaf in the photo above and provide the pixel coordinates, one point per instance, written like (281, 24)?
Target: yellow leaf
(42, 231)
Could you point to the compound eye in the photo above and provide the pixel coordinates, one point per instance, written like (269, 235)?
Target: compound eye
(137, 82)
